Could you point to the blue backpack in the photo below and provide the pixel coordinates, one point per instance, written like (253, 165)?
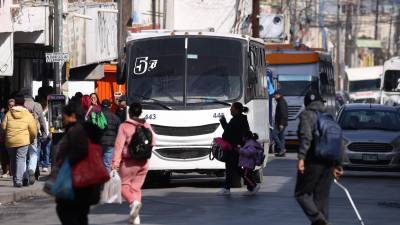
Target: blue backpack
(328, 139)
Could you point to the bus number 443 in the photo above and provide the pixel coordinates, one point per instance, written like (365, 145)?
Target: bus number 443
(150, 117)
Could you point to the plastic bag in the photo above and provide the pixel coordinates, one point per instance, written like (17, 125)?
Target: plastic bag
(112, 189)
(62, 187)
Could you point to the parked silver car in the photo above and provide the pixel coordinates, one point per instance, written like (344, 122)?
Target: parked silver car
(371, 136)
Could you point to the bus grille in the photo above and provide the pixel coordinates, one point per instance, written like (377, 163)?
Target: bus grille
(292, 112)
(185, 131)
(370, 147)
(183, 153)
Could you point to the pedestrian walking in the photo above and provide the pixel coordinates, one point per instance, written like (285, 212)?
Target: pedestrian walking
(33, 152)
(74, 146)
(233, 133)
(110, 134)
(4, 158)
(281, 122)
(132, 172)
(88, 106)
(121, 111)
(247, 161)
(315, 175)
(20, 131)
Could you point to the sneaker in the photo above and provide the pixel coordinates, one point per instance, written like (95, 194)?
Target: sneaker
(45, 170)
(17, 185)
(254, 191)
(134, 212)
(25, 182)
(224, 192)
(137, 220)
(281, 154)
(32, 177)
(6, 175)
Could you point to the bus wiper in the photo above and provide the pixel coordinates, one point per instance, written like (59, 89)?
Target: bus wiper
(212, 100)
(155, 101)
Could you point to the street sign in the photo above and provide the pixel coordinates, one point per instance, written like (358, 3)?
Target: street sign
(56, 57)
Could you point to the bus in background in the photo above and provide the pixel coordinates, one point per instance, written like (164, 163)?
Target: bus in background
(363, 84)
(390, 86)
(297, 69)
(185, 82)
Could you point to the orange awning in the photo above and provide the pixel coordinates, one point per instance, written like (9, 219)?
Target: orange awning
(292, 58)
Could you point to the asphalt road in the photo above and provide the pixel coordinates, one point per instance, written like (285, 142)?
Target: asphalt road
(192, 201)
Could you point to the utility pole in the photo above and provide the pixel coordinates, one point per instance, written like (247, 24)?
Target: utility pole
(293, 11)
(124, 15)
(376, 19)
(153, 14)
(58, 43)
(348, 45)
(338, 27)
(255, 20)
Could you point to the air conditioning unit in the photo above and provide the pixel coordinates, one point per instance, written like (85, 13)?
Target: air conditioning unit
(272, 27)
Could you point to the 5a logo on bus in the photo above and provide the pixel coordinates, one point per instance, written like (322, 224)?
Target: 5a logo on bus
(143, 65)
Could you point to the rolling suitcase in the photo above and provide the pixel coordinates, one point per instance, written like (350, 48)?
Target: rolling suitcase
(351, 200)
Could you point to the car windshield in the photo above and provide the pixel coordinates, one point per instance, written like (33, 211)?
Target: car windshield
(370, 119)
(163, 70)
(392, 81)
(364, 85)
(295, 84)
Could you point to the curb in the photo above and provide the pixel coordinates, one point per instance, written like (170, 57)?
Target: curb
(21, 194)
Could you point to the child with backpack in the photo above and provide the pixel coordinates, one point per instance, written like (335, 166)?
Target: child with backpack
(250, 156)
(132, 150)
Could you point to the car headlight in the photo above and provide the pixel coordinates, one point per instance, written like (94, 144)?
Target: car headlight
(396, 143)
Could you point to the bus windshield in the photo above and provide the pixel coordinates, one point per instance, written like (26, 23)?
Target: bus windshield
(392, 81)
(163, 70)
(364, 85)
(295, 85)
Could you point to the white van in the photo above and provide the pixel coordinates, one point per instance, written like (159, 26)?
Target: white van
(363, 84)
(390, 87)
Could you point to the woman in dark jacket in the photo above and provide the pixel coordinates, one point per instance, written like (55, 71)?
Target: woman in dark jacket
(74, 145)
(234, 132)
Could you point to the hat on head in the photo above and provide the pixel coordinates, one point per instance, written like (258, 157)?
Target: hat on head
(106, 103)
(312, 96)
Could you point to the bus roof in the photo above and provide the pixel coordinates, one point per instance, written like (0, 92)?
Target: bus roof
(364, 73)
(168, 33)
(281, 54)
(392, 64)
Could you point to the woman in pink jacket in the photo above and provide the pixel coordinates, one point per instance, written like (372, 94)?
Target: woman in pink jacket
(132, 172)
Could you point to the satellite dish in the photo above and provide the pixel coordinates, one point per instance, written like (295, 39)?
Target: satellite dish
(272, 26)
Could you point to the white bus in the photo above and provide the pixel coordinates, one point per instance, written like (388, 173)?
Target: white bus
(296, 70)
(363, 84)
(390, 88)
(185, 81)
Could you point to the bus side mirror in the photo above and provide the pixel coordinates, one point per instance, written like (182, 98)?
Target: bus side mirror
(121, 72)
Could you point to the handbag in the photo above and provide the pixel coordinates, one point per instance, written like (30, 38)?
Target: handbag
(218, 149)
(62, 186)
(90, 171)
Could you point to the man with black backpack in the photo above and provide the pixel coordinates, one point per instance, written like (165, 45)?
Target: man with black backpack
(319, 158)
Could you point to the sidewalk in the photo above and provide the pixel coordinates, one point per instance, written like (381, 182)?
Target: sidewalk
(10, 194)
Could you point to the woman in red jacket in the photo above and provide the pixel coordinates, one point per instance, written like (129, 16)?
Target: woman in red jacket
(132, 172)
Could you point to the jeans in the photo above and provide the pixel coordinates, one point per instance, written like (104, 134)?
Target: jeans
(5, 160)
(18, 162)
(279, 137)
(33, 155)
(312, 191)
(107, 155)
(45, 154)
